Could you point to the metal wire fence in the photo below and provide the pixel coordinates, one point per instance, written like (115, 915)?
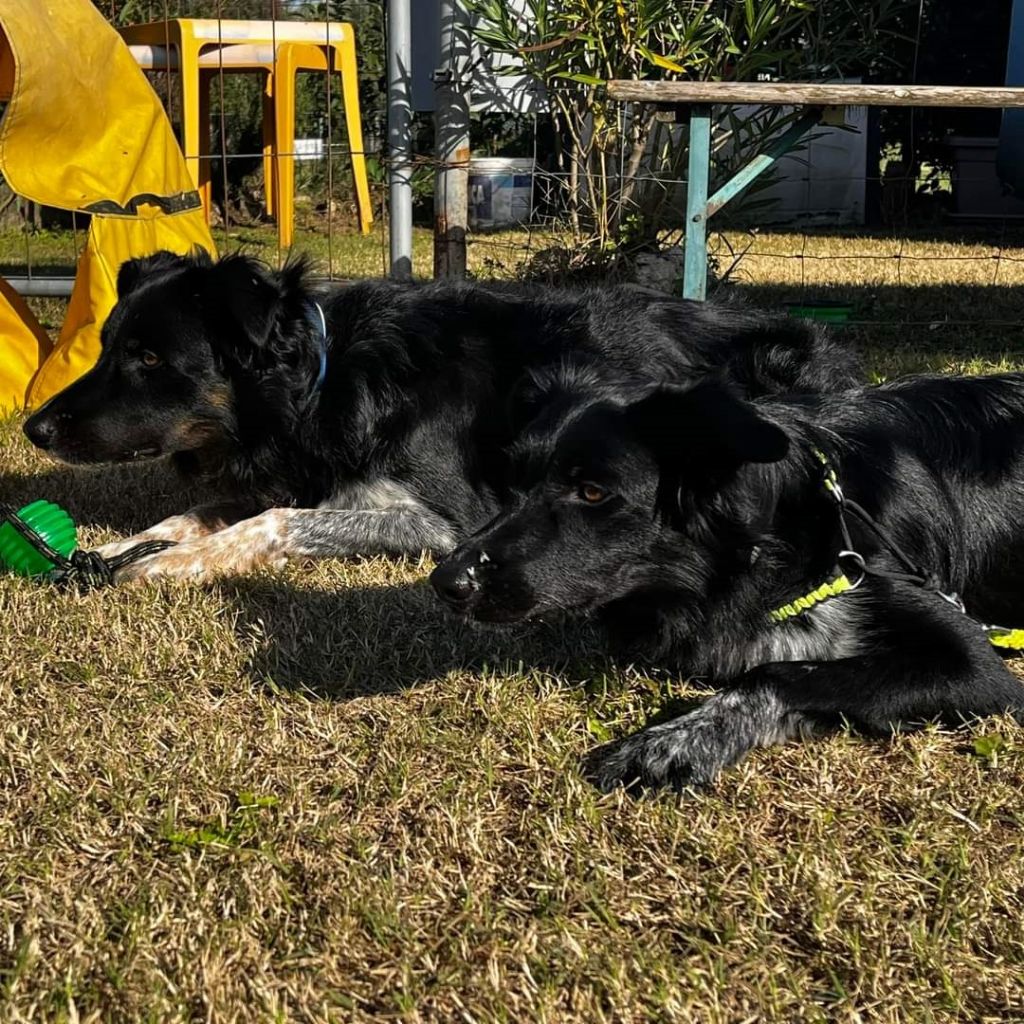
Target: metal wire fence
(923, 272)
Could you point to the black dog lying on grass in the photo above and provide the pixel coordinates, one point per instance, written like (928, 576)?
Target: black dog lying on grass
(710, 531)
(371, 419)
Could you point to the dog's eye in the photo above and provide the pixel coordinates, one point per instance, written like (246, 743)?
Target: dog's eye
(149, 359)
(591, 494)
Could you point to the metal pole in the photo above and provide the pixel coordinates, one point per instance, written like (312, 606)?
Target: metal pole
(695, 256)
(451, 122)
(400, 137)
(43, 287)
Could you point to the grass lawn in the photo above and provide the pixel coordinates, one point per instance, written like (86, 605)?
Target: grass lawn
(307, 795)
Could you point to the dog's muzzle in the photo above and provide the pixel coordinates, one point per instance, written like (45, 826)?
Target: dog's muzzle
(455, 582)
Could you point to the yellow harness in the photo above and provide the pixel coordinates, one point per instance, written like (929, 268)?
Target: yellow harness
(833, 588)
(998, 636)
(1010, 639)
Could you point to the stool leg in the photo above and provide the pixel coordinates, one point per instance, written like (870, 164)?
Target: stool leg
(284, 141)
(268, 144)
(346, 52)
(204, 128)
(191, 117)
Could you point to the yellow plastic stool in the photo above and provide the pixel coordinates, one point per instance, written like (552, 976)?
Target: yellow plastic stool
(292, 58)
(201, 48)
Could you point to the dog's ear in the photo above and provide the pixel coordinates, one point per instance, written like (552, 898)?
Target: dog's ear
(259, 308)
(134, 272)
(248, 295)
(705, 426)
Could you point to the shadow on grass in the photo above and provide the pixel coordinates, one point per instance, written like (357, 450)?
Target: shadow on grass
(124, 499)
(916, 328)
(998, 234)
(360, 640)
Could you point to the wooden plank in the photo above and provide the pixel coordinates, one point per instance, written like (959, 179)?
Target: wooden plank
(791, 94)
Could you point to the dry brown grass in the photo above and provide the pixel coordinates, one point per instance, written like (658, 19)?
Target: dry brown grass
(308, 796)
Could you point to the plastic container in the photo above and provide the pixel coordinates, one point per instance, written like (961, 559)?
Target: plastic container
(500, 191)
(52, 523)
(825, 312)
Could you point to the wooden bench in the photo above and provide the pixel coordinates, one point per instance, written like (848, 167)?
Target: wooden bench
(694, 101)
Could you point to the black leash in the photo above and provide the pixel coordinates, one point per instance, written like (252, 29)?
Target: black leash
(87, 569)
(1005, 638)
(912, 573)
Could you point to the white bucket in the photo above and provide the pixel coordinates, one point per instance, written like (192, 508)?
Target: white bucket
(500, 191)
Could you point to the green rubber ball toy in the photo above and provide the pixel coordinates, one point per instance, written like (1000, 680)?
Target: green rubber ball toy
(52, 523)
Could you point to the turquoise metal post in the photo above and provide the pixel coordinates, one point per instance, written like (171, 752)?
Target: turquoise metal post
(779, 148)
(695, 259)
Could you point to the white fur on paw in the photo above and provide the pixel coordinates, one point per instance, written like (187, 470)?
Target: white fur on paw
(115, 547)
(693, 749)
(161, 566)
(679, 753)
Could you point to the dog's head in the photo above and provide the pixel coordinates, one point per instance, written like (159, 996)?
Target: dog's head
(186, 336)
(623, 498)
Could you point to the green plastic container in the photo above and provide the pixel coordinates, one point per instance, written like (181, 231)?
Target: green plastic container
(52, 523)
(825, 312)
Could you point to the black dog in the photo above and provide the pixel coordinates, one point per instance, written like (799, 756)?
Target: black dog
(710, 531)
(374, 418)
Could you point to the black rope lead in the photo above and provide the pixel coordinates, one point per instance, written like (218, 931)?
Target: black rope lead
(1005, 638)
(85, 569)
(913, 573)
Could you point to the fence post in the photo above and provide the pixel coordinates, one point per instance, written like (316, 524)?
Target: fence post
(399, 43)
(451, 121)
(695, 257)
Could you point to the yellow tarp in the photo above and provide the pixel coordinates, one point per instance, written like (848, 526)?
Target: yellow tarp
(84, 130)
(23, 347)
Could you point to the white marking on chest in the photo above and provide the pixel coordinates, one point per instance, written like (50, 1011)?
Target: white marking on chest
(828, 632)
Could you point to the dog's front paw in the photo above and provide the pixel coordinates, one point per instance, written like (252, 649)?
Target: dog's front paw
(173, 563)
(232, 551)
(115, 547)
(689, 751)
(676, 754)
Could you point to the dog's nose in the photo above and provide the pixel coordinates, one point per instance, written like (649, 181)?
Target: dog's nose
(454, 583)
(41, 430)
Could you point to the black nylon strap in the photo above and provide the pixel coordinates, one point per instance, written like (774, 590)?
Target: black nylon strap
(913, 573)
(87, 569)
(179, 203)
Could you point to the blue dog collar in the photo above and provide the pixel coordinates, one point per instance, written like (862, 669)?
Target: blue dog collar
(319, 323)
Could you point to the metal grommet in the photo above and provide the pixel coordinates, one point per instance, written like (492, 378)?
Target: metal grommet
(858, 560)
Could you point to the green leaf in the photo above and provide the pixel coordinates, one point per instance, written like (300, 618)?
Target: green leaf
(576, 76)
(990, 746)
(662, 62)
(598, 729)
